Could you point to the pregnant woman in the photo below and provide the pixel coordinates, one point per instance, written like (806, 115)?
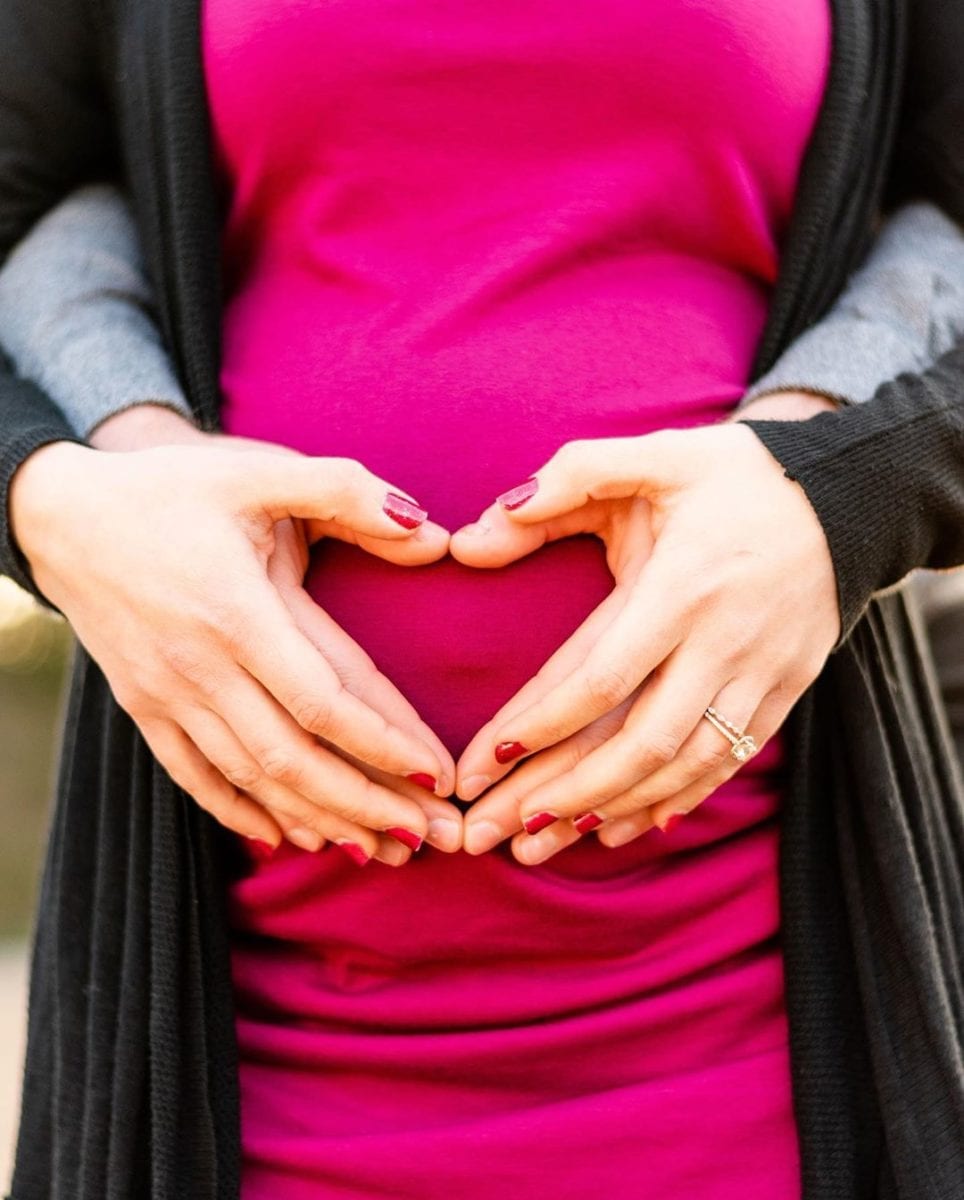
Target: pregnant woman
(481, 257)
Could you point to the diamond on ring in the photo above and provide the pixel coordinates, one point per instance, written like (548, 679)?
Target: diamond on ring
(742, 745)
(743, 748)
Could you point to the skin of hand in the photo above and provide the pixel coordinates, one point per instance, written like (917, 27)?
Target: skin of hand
(179, 559)
(699, 525)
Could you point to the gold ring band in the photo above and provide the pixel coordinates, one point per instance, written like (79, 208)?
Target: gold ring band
(742, 745)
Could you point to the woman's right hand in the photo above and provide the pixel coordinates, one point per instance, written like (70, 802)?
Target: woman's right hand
(161, 560)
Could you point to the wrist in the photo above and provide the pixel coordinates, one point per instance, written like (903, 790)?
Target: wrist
(795, 405)
(143, 425)
(38, 494)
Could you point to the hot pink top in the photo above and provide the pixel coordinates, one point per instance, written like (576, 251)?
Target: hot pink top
(459, 236)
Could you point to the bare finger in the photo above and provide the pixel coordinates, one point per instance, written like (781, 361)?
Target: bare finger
(305, 684)
(317, 783)
(661, 718)
(476, 765)
(496, 816)
(641, 635)
(194, 774)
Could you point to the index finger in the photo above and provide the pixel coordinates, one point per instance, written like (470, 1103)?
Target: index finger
(497, 815)
(643, 633)
(476, 762)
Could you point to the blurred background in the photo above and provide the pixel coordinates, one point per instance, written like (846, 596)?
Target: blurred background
(35, 651)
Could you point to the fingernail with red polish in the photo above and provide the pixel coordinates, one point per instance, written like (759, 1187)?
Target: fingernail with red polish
(507, 751)
(354, 852)
(671, 822)
(517, 496)
(403, 511)
(406, 836)
(423, 779)
(587, 822)
(261, 849)
(538, 821)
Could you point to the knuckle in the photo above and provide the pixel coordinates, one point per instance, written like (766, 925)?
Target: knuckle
(282, 766)
(660, 749)
(607, 687)
(128, 695)
(569, 455)
(348, 474)
(709, 758)
(313, 713)
(189, 664)
(737, 644)
(701, 599)
(245, 776)
(178, 658)
(236, 633)
(552, 731)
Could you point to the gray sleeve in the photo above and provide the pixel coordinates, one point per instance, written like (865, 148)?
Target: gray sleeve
(76, 312)
(900, 311)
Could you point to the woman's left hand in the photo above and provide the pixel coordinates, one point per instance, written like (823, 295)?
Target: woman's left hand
(724, 595)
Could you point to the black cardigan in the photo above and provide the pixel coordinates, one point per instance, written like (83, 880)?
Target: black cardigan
(131, 1081)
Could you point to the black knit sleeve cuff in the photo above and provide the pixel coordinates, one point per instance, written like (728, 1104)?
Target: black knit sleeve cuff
(28, 420)
(885, 478)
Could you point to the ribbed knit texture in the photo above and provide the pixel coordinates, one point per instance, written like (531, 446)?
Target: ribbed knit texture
(29, 420)
(900, 310)
(131, 1085)
(912, 438)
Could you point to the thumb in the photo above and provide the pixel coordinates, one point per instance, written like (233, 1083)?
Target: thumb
(338, 497)
(496, 540)
(571, 495)
(588, 470)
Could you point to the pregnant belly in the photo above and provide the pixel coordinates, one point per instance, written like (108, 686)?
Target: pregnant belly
(460, 642)
(456, 414)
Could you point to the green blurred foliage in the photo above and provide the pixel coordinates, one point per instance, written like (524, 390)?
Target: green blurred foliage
(35, 649)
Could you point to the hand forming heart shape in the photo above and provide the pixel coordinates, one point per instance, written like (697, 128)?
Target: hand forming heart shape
(172, 561)
(608, 735)
(725, 595)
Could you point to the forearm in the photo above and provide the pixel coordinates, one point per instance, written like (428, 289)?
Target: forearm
(900, 312)
(76, 318)
(129, 347)
(142, 425)
(77, 315)
(886, 479)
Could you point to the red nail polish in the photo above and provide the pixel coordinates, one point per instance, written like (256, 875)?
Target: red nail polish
(517, 496)
(538, 821)
(406, 836)
(261, 849)
(671, 822)
(354, 852)
(587, 822)
(403, 511)
(423, 779)
(507, 751)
